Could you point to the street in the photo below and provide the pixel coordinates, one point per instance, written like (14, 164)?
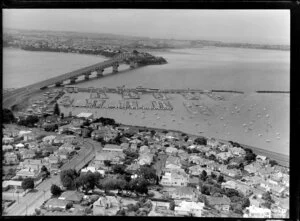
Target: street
(34, 199)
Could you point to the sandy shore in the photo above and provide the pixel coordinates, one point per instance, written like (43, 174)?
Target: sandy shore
(253, 119)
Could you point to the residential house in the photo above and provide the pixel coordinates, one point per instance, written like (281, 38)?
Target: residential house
(106, 206)
(93, 170)
(29, 137)
(19, 146)
(33, 145)
(265, 172)
(27, 154)
(279, 212)
(223, 148)
(55, 203)
(107, 134)
(189, 208)
(53, 159)
(232, 172)
(7, 148)
(27, 172)
(112, 157)
(252, 168)
(86, 116)
(145, 159)
(71, 196)
(183, 155)
(34, 164)
(244, 189)
(68, 147)
(196, 170)
(112, 148)
(22, 132)
(184, 193)
(62, 139)
(261, 158)
(10, 158)
(144, 149)
(171, 151)
(256, 200)
(237, 151)
(133, 168)
(223, 156)
(174, 178)
(7, 140)
(256, 212)
(124, 146)
(49, 139)
(203, 149)
(161, 207)
(212, 142)
(286, 180)
(62, 154)
(219, 203)
(96, 126)
(277, 190)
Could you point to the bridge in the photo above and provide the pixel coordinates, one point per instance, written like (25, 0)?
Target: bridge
(11, 97)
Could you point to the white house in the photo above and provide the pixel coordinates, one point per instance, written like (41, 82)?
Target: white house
(256, 212)
(189, 208)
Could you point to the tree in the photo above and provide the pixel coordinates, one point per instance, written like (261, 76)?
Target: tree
(214, 176)
(200, 141)
(69, 205)
(221, 179)
(273, 163)
(250, 156)
(56, 110)
(212, 157)
(7, 116)
(45, 170)
(148, 173)
(28, 183)
(55, 190)
(29, 121)
(203, 175)
(172, 205)
(266, 204)
(205, 190)
(118, 168)
(67, 178)
(87, 181)
(245, 203)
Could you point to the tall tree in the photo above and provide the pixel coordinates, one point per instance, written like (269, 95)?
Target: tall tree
(55, 190)
(28, 183)
(7, 116)
(56, 110)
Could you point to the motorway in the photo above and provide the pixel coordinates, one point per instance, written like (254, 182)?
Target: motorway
(26, 205)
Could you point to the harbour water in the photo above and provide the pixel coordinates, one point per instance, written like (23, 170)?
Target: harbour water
(206, 68)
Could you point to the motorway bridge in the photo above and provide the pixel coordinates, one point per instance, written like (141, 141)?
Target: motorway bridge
(11, 97)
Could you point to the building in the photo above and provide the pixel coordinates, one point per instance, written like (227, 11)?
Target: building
(7, 147)
(144, 149)
(174, 178)
(71, 196)
(171, 150)
(7, 140)
(93, 170)
(112, 148)
(145, 159)
(106, 206)
(256, 212)
(34, 164)
(55, 203)
(87, 116)
(112, 157)
(27, 172)
(173, 163)
(219, 203)
(27, 154)
(196, 170)
(49, 139)
(184, 193)
(10, 158)
(189, 208)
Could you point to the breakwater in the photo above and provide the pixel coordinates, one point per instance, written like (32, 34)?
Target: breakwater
(273, 92)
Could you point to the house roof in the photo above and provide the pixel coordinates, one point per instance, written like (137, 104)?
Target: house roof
(85, 115)
(184, 191)
(108, 155)
(71, 196)
(54, 202)
(218, 200)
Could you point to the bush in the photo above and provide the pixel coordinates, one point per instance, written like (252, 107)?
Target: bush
(27, 183)
(55, 190)
(69, 205)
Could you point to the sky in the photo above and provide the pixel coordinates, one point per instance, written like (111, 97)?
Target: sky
(248, 26)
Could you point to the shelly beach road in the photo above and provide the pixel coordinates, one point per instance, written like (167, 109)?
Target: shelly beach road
(26, 205)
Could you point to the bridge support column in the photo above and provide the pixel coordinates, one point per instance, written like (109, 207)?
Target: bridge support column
(58, 84)
(100, 73)
(133, 64)
(87, 76)
(115, 68)
(73, 80)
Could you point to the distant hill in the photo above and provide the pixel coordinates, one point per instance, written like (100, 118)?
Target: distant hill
(134, 41)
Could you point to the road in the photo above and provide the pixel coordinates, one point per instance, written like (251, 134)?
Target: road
(34, 199)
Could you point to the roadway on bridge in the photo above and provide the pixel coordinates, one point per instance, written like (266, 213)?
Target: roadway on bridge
(26, 205)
